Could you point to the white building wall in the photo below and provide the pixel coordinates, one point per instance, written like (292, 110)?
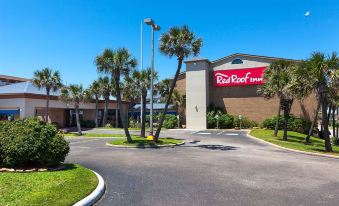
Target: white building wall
(197, 94)
(27, 106)
(248, 62)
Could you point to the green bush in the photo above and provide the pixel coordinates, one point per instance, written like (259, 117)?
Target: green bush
(245, 122)
(108, 125)
(211, 121)
(31, 142)
(170, 121)
(294, 124)
(226, 121)
(335, 141)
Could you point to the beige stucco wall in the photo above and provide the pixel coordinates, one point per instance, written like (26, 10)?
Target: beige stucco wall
(197, 94)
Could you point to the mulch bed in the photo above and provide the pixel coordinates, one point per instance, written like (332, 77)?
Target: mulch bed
(33, 169)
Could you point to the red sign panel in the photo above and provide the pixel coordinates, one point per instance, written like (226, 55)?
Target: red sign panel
(238, 77)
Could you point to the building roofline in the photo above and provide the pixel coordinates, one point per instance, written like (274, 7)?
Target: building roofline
(14, 78)
(43, 96)
(253, 56)
(197, 60)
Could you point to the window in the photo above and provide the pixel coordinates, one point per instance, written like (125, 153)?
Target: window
(237, 61)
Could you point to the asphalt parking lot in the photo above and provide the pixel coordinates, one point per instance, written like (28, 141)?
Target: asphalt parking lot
(214, 168)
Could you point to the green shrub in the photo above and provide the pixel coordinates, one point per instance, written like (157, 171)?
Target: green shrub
(211, 121)
(108, 125)
(31, 142)
(226, 121)
(335, 141)
(245, 122)
(294, 124)
(170, 121)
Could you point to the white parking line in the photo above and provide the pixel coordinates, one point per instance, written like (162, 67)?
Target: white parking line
(219, 133)
(204, 133)
(231, 134)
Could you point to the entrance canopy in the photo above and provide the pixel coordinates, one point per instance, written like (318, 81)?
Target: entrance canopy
(9, 112)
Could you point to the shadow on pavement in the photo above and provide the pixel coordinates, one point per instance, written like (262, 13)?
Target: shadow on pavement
(217, 147)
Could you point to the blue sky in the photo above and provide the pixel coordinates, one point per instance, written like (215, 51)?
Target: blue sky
(67, 34)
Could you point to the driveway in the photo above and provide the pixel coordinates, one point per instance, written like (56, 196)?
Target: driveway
(216, 168)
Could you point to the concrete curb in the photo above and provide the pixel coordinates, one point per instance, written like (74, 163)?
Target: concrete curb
(95, 195)
(136, 147)
(291, 150)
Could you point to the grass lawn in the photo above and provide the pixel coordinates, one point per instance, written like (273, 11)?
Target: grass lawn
(142, 142)
(113, 128)
(47, 188)
(295, 141)
(93, 135)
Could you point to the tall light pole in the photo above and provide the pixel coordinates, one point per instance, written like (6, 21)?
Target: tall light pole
(154, 27)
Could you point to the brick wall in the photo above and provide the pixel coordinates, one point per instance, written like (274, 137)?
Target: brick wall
(244, 100)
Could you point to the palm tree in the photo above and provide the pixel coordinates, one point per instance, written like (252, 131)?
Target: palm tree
(163, 87)
(320, 79)
(106, 87)
(74, 94)
(50, 80)
(131, 93)
(95, 91)
(143, 79)
(181, 43)
(117, 63)
(277, 83)
(179, 102)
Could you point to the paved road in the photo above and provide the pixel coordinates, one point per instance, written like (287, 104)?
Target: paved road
(216, 168)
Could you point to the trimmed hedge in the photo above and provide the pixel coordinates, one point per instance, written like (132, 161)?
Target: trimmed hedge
(211, 121)
(31, 142)
(294, 124)
(170, 121)
(245, 122)
(226, 121)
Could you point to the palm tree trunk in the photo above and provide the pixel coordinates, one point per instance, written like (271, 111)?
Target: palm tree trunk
(333, 120)
(310, 131)
(337, 125)
(78, 119)
(104, 122)
(329, 112)
(96, 111)
(168, 99)
(143, 114)
(286, 115)
(47, 105)
(122, 113)
(328, 146)
(117, 115)
(278, 120)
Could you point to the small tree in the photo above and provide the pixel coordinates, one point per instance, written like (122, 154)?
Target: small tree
(143, 81)
(94, 91)
(50, 80)
(131, 93)
(106, 88)
(163, 88)
(76, 95)
(321, 78)
(277, 82)
(181, 43)
(179, 102)
(117, 63)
